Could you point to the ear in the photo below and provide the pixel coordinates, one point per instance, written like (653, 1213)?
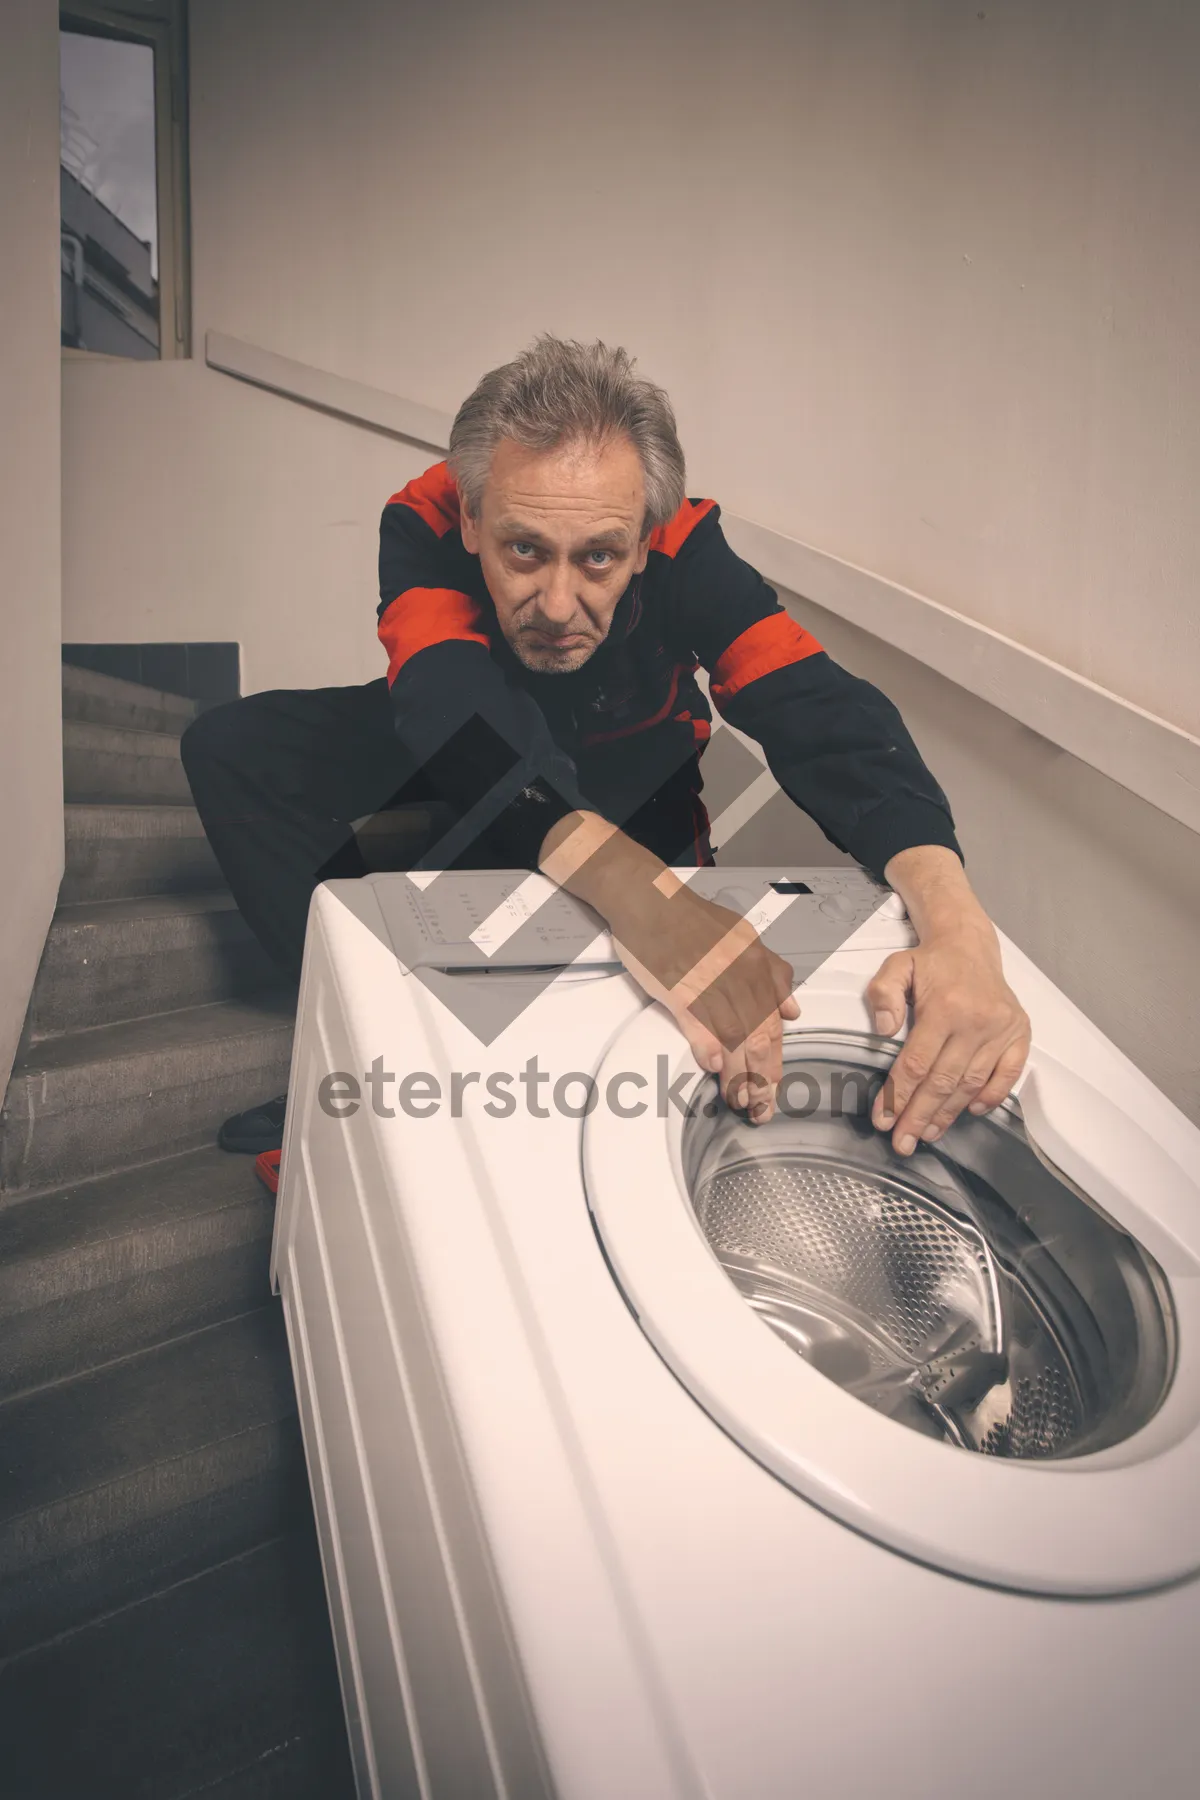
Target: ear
(470, 531)
(643, 552)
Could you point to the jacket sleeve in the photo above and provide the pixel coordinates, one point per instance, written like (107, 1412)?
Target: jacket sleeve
(481, 741)
(835, 744)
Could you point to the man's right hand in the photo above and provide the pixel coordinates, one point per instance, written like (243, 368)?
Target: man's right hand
(728, 993)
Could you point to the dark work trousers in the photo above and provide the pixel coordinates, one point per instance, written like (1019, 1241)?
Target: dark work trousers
(279, 777)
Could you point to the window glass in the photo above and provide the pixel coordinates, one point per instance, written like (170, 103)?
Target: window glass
(110, 287)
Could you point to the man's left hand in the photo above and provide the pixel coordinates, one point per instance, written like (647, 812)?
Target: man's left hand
(970, 1035)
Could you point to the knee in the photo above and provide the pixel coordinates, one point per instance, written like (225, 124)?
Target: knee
(219, 735)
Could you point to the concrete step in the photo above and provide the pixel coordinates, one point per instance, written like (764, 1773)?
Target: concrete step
(224, 1687)
(117, 852)
(121, 763)
(88, 1102)
(132, 1476)
(106, 960)
(108, 1267)
(105, 700)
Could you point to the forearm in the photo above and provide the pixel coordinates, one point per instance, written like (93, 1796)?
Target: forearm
(931, 881)
(840, 750)
(593, 859)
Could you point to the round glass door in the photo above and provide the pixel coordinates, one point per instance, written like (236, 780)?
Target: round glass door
(967, 1292)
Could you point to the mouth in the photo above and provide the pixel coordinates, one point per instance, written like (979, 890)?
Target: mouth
(552, 640)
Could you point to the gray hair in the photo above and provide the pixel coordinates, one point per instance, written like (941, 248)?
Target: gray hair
(561, 391)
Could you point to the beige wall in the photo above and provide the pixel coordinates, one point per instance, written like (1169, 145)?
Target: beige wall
(30, 728)
(197, 508)
(920, 282)
(1101, 890)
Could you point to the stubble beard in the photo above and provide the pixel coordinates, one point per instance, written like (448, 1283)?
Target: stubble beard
(541, 660)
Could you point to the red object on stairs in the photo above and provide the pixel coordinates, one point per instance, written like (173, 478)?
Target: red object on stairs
(266, 1167)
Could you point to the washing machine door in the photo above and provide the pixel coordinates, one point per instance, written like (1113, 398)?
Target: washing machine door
(985, 1356)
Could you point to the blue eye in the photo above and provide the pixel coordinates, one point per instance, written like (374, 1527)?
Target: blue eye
(522, 549)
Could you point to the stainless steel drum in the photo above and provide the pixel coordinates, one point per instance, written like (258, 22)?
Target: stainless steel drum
(967, 1291)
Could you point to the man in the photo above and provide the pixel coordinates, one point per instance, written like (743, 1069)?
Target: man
(546, 596)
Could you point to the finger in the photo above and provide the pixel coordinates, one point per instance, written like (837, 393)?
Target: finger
(763, 1050)
(748, 1080)
(888, 991)
(1004, 1077)
(939, 1079)
(979, 1067)
(736, 1085)
(748, 1091)
(912, 1064)
(742, 1006)
(753, 1066)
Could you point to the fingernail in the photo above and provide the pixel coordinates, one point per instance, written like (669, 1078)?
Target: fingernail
(885, 1023)
(930, 1132)
(906, 1145)
(977, 1107)
(886, 1118)
(759, 1113)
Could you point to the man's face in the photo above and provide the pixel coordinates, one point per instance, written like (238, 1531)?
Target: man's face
(558, 537)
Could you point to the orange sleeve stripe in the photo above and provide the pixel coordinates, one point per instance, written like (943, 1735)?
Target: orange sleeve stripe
(770, 643)
(670, 537)
(423, 616)
(433, 497)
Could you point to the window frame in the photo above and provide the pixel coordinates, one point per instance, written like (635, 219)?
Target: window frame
(163, 25)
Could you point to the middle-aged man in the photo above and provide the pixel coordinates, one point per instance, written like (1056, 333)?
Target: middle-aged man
(546, 597)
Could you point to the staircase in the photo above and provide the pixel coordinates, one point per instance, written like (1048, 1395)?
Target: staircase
(163, 1630)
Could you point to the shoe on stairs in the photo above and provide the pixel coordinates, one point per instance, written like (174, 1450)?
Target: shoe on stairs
(258, 1129)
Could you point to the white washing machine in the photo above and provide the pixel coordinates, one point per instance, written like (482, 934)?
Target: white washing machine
(658, 1455)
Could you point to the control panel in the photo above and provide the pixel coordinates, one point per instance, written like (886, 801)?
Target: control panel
(505, 919)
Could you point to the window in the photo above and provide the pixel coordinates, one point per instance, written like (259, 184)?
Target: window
(124, 178)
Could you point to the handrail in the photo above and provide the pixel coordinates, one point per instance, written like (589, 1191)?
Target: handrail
(352, 400)
(1154, 759)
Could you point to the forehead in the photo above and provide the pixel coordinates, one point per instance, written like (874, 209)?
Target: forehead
(573, 486)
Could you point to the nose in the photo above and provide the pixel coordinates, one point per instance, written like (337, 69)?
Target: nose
(559, 602)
